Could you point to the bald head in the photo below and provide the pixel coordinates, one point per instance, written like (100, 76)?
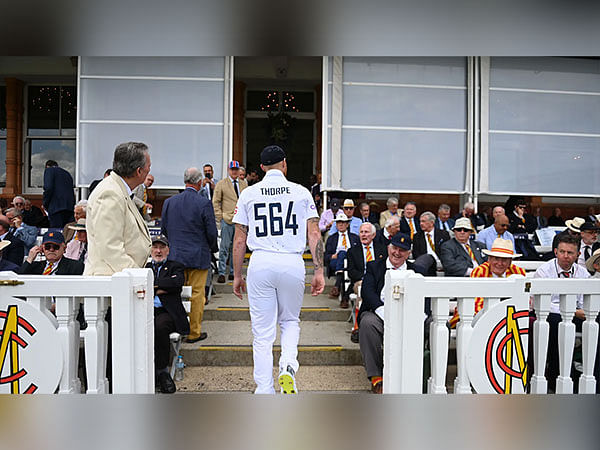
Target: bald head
(501, 223)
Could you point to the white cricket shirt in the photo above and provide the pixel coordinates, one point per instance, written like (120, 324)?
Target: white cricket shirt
(275, 211)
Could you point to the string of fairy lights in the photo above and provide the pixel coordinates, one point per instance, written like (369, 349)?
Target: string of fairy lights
(48, 99)
(274, 99)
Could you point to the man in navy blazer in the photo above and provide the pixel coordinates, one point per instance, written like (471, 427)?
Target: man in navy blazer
(188, 221)
(59, 198)
(443, 220)
(335, 253)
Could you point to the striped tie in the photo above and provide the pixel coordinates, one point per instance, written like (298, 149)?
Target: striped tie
(499, 235)
(344, 241)
(412, 228)
(566, 274)
(470, 252)
(369, 254)
(431, 244)
(48, 269)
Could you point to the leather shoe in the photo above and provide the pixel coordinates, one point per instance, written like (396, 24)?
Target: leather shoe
(221, 279)
(230, 277)
(344, 304)
(202, 336)
(166, 383)
(354, 336)
(335, 292)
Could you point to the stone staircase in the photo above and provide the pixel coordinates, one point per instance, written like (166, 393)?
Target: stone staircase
(329, 361)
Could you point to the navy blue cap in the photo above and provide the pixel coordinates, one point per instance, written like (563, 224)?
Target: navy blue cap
(160, 238)
(56, 237)
(401, 240)
(271, 154)
(588, 226)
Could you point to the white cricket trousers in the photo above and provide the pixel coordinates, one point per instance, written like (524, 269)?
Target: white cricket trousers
(275, 291)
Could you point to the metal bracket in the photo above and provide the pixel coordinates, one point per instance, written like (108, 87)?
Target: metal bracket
(528, 286)
(396, 291)
(140, 291)
(11, 282)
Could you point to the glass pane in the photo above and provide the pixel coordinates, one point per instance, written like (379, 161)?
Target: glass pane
(2, 162)
(60, 150)
(43, 110)
(262, 101)
(298, 101)
(210, 67)
(68, 110)
(2, 110)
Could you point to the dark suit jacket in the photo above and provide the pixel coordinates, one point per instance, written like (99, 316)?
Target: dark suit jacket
(516, 226)
(477, 219)
(543, 222)
(15, 252)
(8, 265)
(450, 221)
(58, 190)
(356, 260)
(455, 259)
(171, 278)
(373, 282)
(405, 227)
(66, 266)
(381, 239)
(331, 245)
(420, 242)
(188, 221)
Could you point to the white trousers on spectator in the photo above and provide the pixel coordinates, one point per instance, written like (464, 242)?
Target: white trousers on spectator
(275, 291)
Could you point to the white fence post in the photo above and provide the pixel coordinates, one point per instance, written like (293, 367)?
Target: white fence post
(466, 311)
(438, 343)
(541, 333)
(95, 344)
(566, 344)
(68, 330)
(591, 306)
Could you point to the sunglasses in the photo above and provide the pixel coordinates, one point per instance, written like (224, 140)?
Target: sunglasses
(463, 230)
(504, 225)
(19, 204)
(522, 206)
(51, 247)
(348, 207)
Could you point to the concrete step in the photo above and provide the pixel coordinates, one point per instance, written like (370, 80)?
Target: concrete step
(229, 343)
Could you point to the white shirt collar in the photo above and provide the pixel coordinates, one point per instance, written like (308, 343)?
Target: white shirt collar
(388, 265)
(129, 191)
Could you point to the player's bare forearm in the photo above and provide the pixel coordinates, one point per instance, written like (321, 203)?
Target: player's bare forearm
(239, 248)
(315, 243)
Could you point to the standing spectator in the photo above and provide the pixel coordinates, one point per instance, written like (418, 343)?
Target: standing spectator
(468, 211)
(443, 221)
(95, 182)
(252, 177)
(53, 248)
(188, 221)
(5, 264)
(26, 233)
(429, 241)
(409, 224)
(141, 197)
(224, 201)
(242, 174)
(16, 251)
(460, 256)
(540, 220)
(556, 220)
(32, 215)
(208, 182)
(118, 237)
(59, 197)
(77, 249)
(79, 212)
(591, 215)
(328, 216)
(392, 210)
(499, 229)
(315, 190)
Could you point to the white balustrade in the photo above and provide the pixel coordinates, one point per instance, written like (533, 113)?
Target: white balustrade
(129, 294)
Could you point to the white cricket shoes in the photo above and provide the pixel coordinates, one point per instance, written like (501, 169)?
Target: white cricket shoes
(287, 381)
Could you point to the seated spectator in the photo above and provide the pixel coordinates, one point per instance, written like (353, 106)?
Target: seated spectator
(355, 222)
(375, 213)
(540, 220)
(589, 244)
(16, 252)
(6, 265)
(409, 224)
(593, 264)
(573, 229)
(77, 249)
(468, 211)
(365, 214)
(520, 221)
(79, 212)
(371, 315)
(460, 256)
(18, 202)
(53, 248)
(497, 211)
(27, 233)
(498, 265)
(32, 215)
(486, 215)
(499, 229)
(392, 211)
(429, 241)
(141, 197)
(328, 216)
(556, 220)
(443, 221)
(564, 265)
(169, 314)
(591, 217)
(391, 227)
(335, 254)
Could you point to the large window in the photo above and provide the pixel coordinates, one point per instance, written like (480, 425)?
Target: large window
(51, 124)
(2, 135)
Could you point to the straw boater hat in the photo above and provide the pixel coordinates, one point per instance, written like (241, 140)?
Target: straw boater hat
(79, 226)
(589, 263)
(502, 248)
(463, 222)
(341, 217)
(574, 224)
(4, 244)
(348, 203)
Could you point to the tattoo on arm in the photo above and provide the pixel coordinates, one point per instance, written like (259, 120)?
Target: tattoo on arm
(241, 228)
(314, 220)
(318, 255)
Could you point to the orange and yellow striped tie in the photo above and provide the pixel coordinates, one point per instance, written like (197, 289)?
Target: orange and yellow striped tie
(431, 244)
(499, 235)
(470, 252)
(48, 269)
(344, 241)
(369, 254)
(412, 228)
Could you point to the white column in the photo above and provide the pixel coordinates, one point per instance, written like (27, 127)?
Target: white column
(438, 339)
(95, 344)
(541, 331)
(591, 306)
(566, 344)
(466, 310)
(68, 331)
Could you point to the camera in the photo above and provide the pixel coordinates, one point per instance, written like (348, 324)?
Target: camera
(208, 175)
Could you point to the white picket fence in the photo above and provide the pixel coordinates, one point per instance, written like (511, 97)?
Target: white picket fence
(405, 292)
(129, 293)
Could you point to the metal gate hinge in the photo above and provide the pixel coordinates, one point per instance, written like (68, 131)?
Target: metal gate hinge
(11, 282)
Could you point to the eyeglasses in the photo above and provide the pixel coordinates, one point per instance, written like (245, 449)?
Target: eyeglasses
(463, 230)
(51, 247)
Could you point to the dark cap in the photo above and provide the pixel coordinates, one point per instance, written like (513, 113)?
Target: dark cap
(56, 237)
(160, 238)
(271, 154)
(401, 240)
(335, 202)
(588, 226)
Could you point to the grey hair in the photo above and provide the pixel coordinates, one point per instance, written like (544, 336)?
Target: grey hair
(469, 205)
(82, 204)
(392, 201)
(18, 197)
(428, 215)
(15, 211)
(192, 175)
(496, 207)
(391, 221)
(444, 207)
(371, 227)
(129, 157)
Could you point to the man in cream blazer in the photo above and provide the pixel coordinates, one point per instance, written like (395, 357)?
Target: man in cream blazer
(118, 237)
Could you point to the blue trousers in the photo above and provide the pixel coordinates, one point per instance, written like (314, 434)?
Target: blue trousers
(226, 249)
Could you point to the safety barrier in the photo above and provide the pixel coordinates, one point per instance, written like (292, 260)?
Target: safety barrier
(129, 295)
(405, 293)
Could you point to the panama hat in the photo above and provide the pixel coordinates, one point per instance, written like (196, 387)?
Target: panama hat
(79, 226)
(574, 224)
(502, 248)
(589, 263)
(341, 217)
(463, 222)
